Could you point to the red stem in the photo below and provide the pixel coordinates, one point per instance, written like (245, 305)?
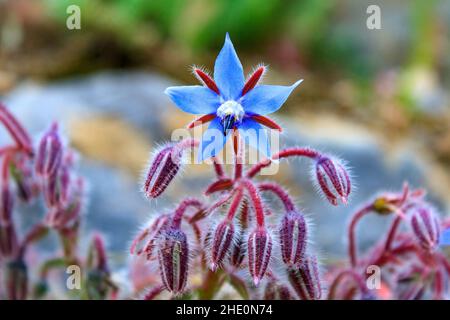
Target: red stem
(235, 204)
(182, 207)
(280, 193)
(351, 232)
(256, 200)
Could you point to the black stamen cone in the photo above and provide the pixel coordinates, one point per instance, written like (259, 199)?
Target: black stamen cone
(228, 123)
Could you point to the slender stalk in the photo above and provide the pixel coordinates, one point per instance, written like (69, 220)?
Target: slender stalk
(351, 232)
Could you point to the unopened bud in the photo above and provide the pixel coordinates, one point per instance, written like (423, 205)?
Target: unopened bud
(221, 242)
(425, 226)
(293, 238)
(259, 252)
(6, 204)
(163, 169)
(173, 254)
(305, 280)
(49, 153)
(333, 179)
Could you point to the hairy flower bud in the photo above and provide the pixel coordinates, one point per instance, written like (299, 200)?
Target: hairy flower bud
(173, 254)
(293, 238)
(49, 153)
(221, 242)
(163, 169)
(277, 291)
(333, 179)
(259, 252)
(305, 280)
(425, 226)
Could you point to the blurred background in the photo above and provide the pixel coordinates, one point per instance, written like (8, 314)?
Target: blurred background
(378, 98)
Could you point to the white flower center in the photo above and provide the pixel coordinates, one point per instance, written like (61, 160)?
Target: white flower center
(231, 108)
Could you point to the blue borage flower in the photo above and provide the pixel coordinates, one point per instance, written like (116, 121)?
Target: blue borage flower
(231, 103)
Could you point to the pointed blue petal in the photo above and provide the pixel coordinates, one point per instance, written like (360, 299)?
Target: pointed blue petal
(265, 99)
(228, 72)
(445, 238)
(213, 140)
(255, 135)
(194, 99)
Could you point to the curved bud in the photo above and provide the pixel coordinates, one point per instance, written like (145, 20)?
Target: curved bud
(305, 280)
(259, 252)
(164, 167)
(333, 179)
(9, 244)
(277, 291)
(173, 254)
(221, 242)
(425, 226)
(50, 151)
(293, 238)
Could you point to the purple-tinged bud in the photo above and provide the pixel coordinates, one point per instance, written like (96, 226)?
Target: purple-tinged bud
(50, 152)
(305, 280)
(163, 169)
(333, 179)
(221, 242)
(173, 254)
(145, 242)
(277, 291)
(6, 204)
(259, 252)
(293, 238)
(426, 227)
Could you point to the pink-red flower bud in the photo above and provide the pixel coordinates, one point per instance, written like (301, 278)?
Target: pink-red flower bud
(425, 225)
(164, 167)
(259, 252)
(50, 152)
(221, 242)
(173, 254)
(333, 179)
(6, 204)
(305, 280)
(293, 238)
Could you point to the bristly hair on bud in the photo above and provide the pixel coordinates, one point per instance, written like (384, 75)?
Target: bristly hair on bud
(173, 254)
(221, 242)
(293, 237)
(333, 179)
(50, 152)
(259, 253)
(425, 226)
(305, 280)
(163, 168)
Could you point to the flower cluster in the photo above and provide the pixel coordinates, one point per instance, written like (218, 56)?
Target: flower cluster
(47, 172)
(235, 235)
(411, 261)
